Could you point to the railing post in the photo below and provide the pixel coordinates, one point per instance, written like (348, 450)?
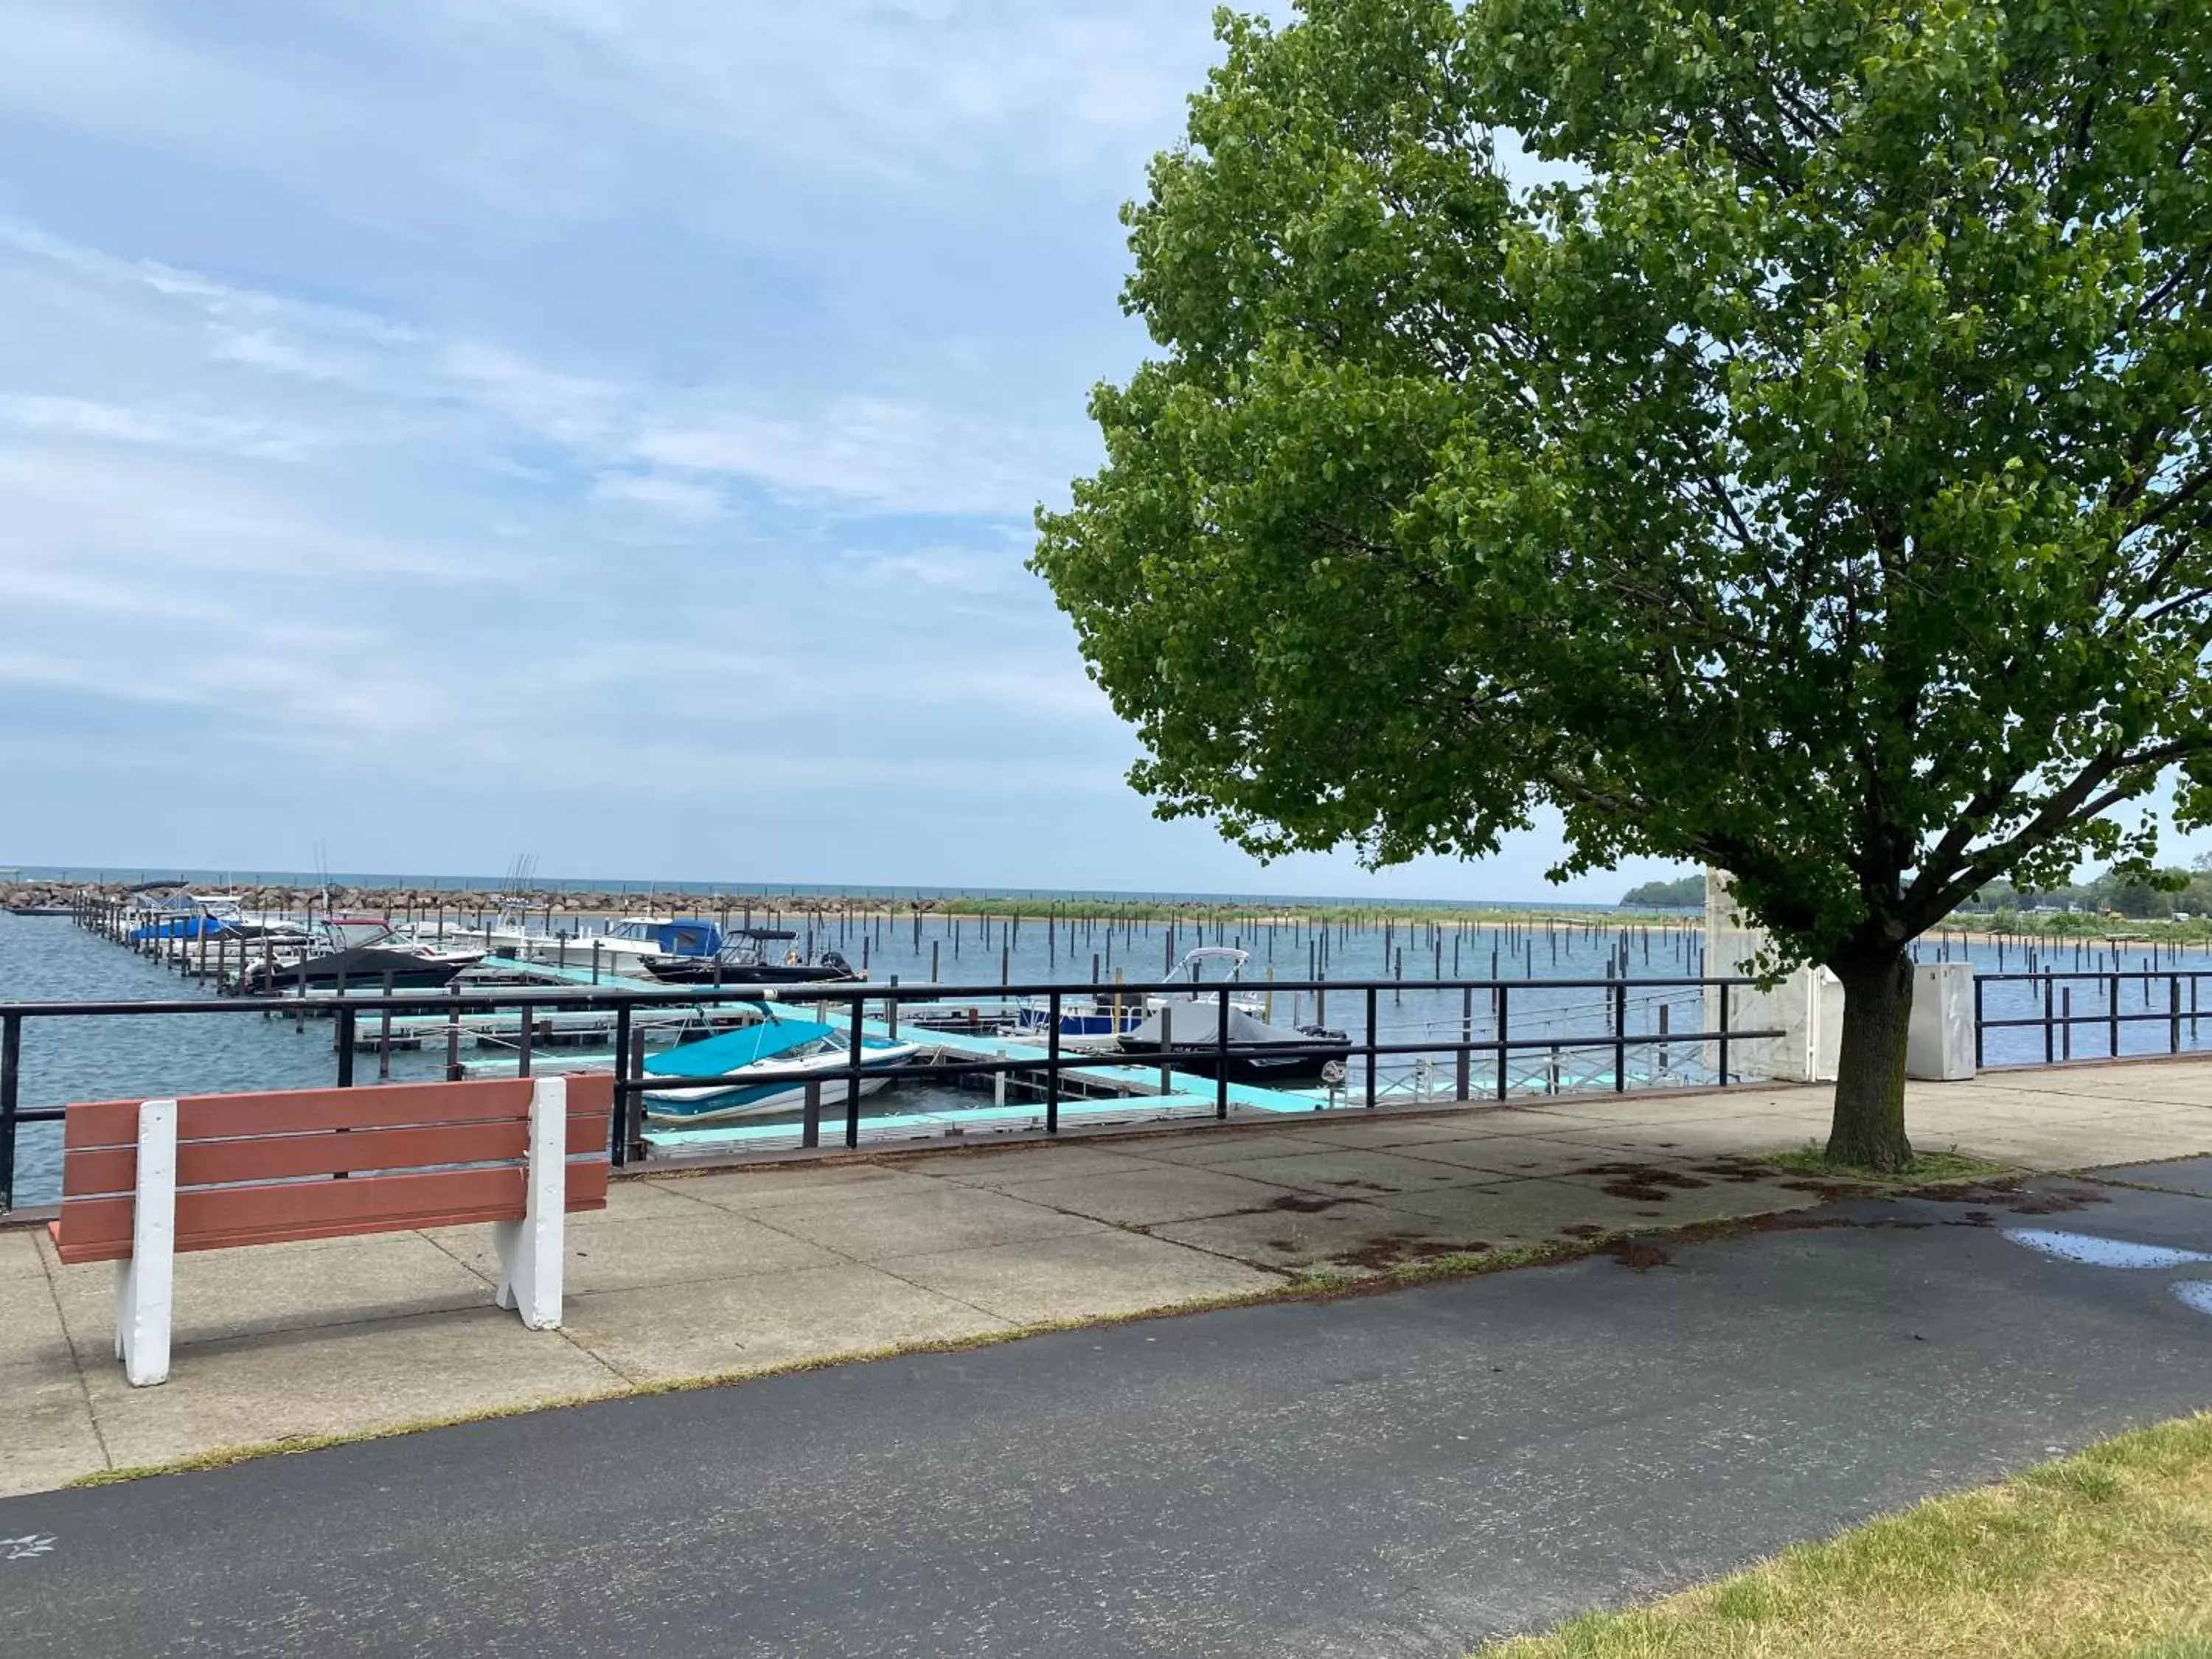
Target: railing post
(12, 1078)
(1373, 1059)
(2050, 1052)
(1221, 1056)
(346, 1024)
(384, 1034)
(1460, 1080)
(2173, 1013)
(1619, 1035)
(618, 1124)
(2113, 1010)
(1978, 1022)
(1724, 1033)
(1052, 1067)
(1498, 992)
(810, 1134)
(855, 1057)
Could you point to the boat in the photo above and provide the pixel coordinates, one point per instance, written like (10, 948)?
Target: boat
(629, 943)
(1184, 1028)
(748, 958)
(210, 915)
(358, 953)
(777, 1043)
(1082, 1014)
(1099, 1012)
(1187, 1035)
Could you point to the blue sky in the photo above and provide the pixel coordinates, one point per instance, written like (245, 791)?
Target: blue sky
(603, 429)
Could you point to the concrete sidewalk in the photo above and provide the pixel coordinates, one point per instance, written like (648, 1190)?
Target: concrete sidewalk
(722, 1274)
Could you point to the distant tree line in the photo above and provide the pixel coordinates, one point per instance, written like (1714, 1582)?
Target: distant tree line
(1686, 894)
(2164, 893)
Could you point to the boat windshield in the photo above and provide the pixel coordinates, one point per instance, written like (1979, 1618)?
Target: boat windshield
(1193, 965)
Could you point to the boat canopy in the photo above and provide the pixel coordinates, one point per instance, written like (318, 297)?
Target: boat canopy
(686, 936)
(1195, 1027)
(731, 1051)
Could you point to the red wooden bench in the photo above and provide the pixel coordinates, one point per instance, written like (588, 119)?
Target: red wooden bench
(142, 1180)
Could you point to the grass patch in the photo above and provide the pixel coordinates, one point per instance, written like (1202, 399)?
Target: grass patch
(2106, 1555)
(1929, 1168)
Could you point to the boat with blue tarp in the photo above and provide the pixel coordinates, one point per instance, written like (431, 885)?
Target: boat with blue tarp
(777, 1043)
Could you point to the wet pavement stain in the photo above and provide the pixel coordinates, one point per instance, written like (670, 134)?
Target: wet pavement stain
(1639, 1255)
(1394, 1248)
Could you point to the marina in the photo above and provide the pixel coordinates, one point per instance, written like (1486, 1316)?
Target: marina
(1008, 1023)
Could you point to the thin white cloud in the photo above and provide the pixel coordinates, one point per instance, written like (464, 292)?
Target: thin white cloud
(84, 417)
(893, 456)
(693, 502)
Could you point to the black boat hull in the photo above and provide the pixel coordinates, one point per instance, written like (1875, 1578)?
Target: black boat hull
(701, 970)
(1247, 1062)
(362, 968)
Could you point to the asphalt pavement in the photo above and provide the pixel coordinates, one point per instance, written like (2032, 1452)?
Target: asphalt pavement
(1397, 1474)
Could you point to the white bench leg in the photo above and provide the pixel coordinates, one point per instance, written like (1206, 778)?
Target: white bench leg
(144, 1284)
(530, 1249)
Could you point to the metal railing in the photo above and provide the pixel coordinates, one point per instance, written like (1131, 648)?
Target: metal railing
(1047, 1070)
(2055, 1018)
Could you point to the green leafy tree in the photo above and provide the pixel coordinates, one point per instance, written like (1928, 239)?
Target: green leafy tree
(1811, 482)
(1667, 895)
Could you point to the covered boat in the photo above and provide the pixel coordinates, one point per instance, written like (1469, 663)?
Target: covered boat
(1188, 1035)
(777, 1043)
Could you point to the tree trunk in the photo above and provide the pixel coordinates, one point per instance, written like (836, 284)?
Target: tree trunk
(1869, 1128)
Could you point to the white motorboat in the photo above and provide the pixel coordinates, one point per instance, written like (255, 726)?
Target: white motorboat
(777, 1044)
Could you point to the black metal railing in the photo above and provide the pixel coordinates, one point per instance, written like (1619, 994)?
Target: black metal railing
(1047, 1070)
(2051, 996)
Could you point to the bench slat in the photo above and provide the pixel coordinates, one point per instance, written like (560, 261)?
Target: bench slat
(114, 1169)
(214, 1219)
(295, 1111)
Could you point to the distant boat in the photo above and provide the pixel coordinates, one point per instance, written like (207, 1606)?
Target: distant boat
(362, 954)
(749, 958)
(776, 1044)
(208, 915)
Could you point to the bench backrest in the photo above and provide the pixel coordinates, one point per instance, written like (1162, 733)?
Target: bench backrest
(263, 1169)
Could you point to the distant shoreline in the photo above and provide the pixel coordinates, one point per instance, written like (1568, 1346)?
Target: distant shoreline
(112, 877)
(415, 901)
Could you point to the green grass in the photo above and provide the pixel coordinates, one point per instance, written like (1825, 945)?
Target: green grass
(2106, 1555)
(1929, 1168)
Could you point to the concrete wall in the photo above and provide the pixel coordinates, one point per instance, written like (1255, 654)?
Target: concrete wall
(1808, 1008)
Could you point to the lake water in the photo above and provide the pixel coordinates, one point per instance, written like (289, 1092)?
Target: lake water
(50, 959)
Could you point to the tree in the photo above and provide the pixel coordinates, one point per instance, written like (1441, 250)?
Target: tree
(1679, 895)
(1812, 481)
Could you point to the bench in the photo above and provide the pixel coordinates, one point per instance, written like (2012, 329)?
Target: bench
(143, 1180)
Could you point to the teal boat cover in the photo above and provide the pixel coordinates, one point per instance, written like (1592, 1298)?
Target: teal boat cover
(715, 1056)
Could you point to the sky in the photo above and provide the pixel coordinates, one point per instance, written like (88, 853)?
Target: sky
(437, 431)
